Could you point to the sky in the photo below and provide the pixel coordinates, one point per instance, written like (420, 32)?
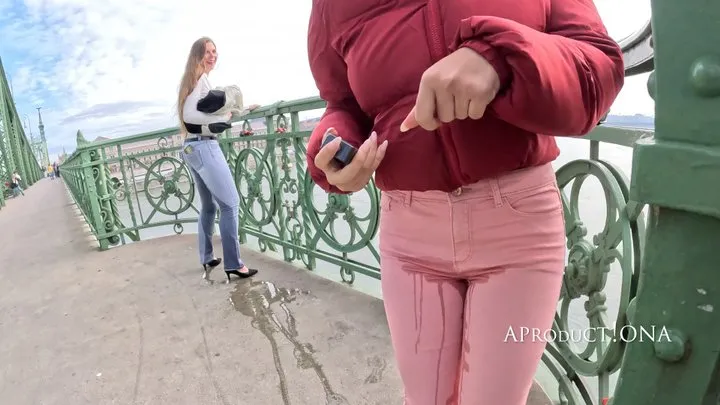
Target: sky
(112, 67)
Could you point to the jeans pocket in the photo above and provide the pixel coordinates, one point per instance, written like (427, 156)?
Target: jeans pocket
(538, 201)
(192, 155)
(215, 151)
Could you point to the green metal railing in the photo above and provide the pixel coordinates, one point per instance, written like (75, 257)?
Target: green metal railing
(126, 188)
(132, 188)
(16, 150)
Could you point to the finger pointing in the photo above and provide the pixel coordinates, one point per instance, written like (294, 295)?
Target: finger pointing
(410, 122)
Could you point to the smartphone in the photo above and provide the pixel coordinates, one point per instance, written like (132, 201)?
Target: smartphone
(345, 153)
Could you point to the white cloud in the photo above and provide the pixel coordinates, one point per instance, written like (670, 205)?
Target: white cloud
(95, 56)
(112, 67)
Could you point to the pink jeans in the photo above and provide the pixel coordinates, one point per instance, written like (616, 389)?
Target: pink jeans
(463, 275)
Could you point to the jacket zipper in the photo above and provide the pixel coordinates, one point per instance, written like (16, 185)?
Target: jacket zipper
(438, 50)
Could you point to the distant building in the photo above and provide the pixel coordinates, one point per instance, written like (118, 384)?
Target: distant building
(138, 155)
(62, 157)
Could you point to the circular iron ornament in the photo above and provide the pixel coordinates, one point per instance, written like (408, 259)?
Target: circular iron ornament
(339, 208)
(168, 181)
(589, 263)
(251, 168)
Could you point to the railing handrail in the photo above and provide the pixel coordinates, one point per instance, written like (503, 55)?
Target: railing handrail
(613, 134)
(280, 107)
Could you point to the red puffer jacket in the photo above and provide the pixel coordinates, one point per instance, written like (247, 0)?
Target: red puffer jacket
(559, 72)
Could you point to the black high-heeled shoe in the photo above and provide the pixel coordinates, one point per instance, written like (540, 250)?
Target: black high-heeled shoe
(250, 273)
(209, 266)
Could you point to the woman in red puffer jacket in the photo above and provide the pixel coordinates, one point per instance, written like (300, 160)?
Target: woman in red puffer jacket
(454, 105)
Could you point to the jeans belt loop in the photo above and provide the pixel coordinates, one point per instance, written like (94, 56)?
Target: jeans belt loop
(496, 193)
(408, 199)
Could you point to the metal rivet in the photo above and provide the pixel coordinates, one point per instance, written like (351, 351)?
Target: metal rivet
(705, 76)
(670, 347)
(651, 85)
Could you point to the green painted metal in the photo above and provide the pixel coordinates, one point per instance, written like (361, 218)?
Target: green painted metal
(137, 187)
(675, 173)
(16, 149)
(134, 188)
(40, 144)
(665, 341)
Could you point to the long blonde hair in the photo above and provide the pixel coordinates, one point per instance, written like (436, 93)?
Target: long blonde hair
(193, 71)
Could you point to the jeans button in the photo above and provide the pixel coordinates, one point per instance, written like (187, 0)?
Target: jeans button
(458, 191)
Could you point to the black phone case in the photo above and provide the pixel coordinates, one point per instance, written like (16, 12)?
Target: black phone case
(345, 153)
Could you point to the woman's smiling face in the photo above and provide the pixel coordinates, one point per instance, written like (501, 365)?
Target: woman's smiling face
(210, 57)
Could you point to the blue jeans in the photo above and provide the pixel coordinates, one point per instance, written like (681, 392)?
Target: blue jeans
(214, 183)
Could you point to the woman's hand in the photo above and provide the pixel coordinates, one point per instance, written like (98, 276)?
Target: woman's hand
(356, 175)
(253, 107)
(459, 86)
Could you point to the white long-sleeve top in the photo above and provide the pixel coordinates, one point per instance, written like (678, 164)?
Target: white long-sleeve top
(191, 115)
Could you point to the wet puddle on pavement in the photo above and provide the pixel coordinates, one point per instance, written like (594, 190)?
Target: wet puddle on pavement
(267, 307)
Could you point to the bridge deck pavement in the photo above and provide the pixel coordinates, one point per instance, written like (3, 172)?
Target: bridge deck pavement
(137, 325)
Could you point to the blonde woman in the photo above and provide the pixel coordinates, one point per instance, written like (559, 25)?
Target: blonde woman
(204, 113)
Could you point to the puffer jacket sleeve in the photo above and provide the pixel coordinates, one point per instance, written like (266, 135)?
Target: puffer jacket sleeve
(342, 111)
(559, 82)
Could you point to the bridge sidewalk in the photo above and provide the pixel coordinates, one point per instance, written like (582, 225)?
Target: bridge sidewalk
(136, 325)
